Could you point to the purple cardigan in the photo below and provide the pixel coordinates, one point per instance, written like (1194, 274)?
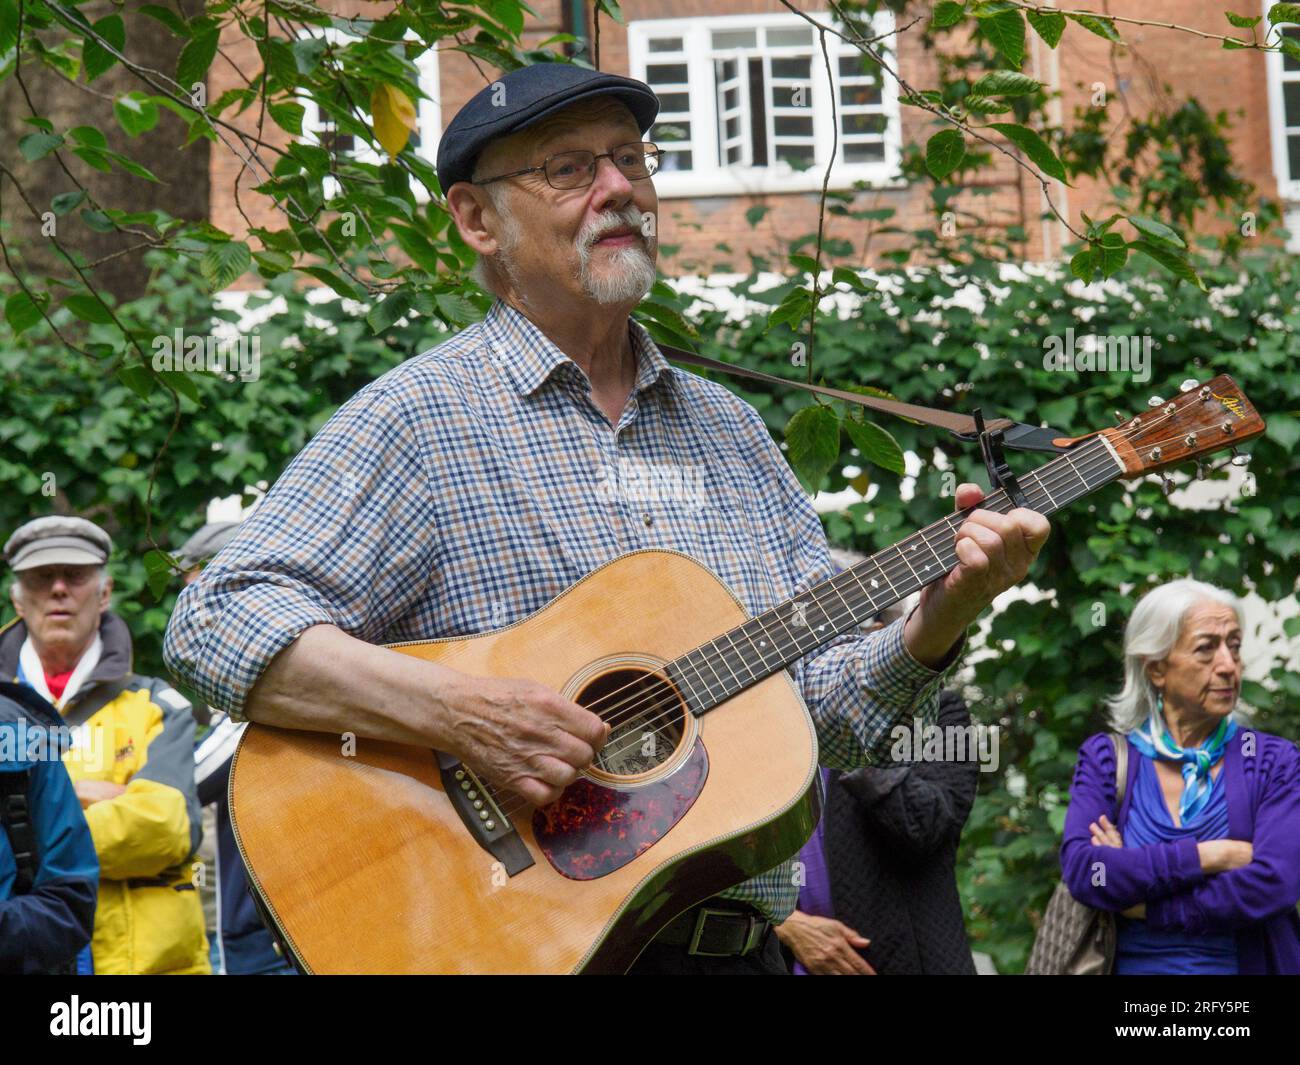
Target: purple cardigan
(1258, 901)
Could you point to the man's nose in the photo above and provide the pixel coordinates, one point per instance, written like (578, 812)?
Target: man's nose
(612, 186)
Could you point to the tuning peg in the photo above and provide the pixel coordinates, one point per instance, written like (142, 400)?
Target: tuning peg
(1154, 401)
(1188, 385)
(1238, 459)
(1119, 417)
(1200, 470)
(1166, 485)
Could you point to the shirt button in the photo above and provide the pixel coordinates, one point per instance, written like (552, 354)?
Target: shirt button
(647, 519)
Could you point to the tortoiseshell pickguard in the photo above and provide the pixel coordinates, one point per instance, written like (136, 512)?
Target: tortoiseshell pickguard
(591, 830)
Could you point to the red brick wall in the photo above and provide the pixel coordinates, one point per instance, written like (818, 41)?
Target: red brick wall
(1222, 80)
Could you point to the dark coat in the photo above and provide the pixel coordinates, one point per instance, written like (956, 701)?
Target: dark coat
(891, 838)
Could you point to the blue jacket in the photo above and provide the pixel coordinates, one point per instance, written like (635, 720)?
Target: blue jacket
(245, 946)
(44, 929)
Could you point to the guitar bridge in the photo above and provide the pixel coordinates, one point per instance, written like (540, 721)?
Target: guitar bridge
(482, 816)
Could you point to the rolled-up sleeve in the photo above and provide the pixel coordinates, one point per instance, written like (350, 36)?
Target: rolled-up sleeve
(345, 537)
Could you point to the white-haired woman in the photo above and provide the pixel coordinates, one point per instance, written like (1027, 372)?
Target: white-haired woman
(1201, 857)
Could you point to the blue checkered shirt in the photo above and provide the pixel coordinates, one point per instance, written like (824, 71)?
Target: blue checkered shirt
(466, 488)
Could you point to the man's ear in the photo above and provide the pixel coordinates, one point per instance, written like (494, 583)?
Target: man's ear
(15, 598)
(468, 205)
(106, 593)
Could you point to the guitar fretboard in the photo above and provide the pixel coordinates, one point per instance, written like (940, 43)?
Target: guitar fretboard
(715, 671)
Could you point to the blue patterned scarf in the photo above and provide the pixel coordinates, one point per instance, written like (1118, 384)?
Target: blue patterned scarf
(1153, 740)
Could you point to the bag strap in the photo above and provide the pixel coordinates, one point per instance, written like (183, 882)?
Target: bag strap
(16, 818)
(1120, 744)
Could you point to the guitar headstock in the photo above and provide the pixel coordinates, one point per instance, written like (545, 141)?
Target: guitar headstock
(1202, 419)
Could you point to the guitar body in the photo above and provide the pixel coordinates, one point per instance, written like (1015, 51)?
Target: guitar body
(364, 864)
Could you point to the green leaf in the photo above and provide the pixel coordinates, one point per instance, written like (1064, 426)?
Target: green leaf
(944, 153)
(847, 276)
(1033, 146)
(37, 145)
(1006, 32)
(793, 310)
(223, 263)
(1084, 264)
(90, 136)
(167, 17)
(138, 379)
(457, 310)
(196, 57)
(1049, 25)
(814, 438)
(876, 445)
(1242, 22)
(307, 53)
(1284, 13)
(1170, 260)
(66, 201)
(948, 13)
(88, 308)
(1284, 430)
(97, 220)
(1102, 27)
(983, 105)
(383, 315)
(1005, 83)
(1113, 253)
(288, 116)
(1156, 230)
(755, 214)
(22, 312)
(95, 58)
(158, 571)
(335, 281)
(136, 113)
(1230, 45)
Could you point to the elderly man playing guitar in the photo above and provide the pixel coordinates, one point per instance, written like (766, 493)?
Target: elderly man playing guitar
(468, 487)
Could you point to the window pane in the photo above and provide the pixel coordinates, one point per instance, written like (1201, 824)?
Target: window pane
(798, 35)
(665, 44)
(800, 154)
(735, 39)
(675, 161)
(1289, 63)
(864, 153)
(664, 133)
(1293, 151)
(733, 128)
(731, 99)
(666, 73)
(860, 95)
(852, 124)
(791, 68)
(792, 95)
(792, 126)
(674, 101)
(1291, 102)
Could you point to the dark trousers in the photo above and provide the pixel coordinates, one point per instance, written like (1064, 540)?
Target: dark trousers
(660, 959)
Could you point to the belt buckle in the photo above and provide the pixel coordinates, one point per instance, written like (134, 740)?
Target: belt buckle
(753, 935)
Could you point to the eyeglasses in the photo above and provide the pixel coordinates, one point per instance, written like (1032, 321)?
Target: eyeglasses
(42, 578)
(576, 170)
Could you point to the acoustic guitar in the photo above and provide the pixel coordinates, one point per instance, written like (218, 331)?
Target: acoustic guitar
(395, 859)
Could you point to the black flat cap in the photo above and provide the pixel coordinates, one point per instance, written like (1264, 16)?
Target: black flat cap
(517, 100)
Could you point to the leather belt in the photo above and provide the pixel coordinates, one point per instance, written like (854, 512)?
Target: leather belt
(715, 932)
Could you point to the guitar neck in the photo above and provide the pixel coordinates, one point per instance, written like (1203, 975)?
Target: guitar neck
(715, 671)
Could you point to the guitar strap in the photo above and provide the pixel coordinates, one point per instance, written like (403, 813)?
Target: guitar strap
(964, 427)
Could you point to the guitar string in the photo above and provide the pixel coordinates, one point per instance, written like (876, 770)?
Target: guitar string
(1089, 459)
(1089, 463)
(1044, 485)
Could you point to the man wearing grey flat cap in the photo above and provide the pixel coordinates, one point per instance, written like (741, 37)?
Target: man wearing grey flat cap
(468, 487)
(132, 763)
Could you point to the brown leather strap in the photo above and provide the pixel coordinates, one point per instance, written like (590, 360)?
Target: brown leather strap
(958, 424)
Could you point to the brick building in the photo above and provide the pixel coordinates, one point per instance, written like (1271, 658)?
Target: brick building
(746, 107)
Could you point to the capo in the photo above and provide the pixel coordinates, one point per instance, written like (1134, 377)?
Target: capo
(1000, 474)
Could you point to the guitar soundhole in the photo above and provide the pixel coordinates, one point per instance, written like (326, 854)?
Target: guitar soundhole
(647, 719)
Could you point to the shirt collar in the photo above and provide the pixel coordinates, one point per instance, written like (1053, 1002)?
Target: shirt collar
(529, 357)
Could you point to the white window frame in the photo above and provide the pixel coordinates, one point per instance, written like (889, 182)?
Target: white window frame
(1288, 184)
(428, 111)
(715, 180)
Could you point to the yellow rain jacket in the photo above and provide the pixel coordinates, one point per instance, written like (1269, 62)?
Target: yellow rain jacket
(139, 732)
